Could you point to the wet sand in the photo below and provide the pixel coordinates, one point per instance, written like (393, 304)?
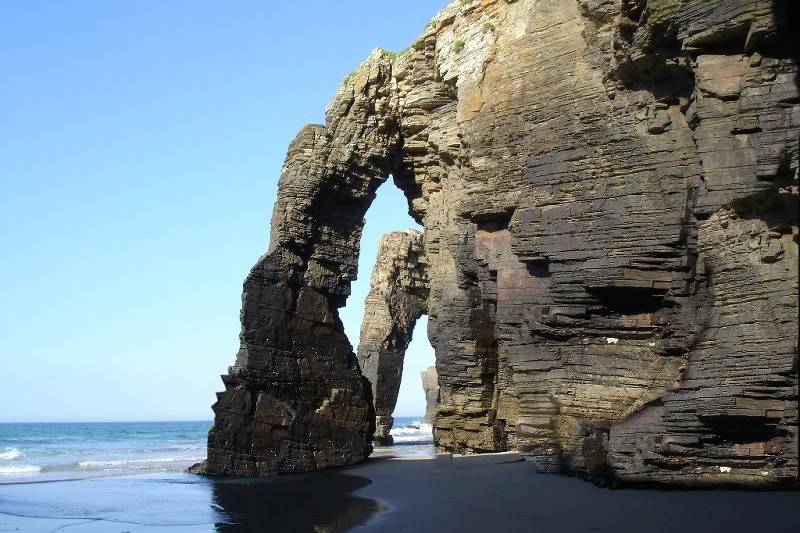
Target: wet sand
(184, 502)
(466, 494)
(502, 493)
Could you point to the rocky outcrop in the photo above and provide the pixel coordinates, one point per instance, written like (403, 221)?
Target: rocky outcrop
(430, 385)
(295, 399)
(397, 297)
(609, 192)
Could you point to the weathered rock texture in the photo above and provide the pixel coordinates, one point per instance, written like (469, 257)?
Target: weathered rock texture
(430, 384)
(397, 297)
(609, 196)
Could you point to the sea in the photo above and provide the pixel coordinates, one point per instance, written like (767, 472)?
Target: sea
(63, 451)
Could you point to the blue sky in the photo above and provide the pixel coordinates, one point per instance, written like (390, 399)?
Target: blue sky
(140, 147)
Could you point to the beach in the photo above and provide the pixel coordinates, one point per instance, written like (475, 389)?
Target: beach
(494, 492)
(501, 492)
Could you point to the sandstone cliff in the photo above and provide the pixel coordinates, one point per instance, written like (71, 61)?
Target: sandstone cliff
(609, 195)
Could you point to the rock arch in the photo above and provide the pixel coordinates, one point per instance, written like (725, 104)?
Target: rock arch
(295, 399)
(609, 199)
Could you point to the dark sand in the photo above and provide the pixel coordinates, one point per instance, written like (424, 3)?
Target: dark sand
(501, 493)
(470, 494)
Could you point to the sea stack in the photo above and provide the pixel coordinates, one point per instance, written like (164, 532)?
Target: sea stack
(398, 296)
(609, 197)
(430, 384)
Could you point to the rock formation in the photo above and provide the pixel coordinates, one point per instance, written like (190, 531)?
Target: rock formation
(397, 297)
(430, 384)
(609, 192)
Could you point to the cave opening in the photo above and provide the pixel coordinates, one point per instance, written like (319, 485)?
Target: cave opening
(388, 212)
(417, 395)
(385, 319)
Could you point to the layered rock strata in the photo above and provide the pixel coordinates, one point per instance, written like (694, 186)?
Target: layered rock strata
(609, 192)
(397, 297)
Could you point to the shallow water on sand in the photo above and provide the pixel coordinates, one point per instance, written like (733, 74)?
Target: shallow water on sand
(183, 502)
(473, 494)
(127, 477)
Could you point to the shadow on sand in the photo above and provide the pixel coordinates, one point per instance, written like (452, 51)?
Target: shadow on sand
(314, 502)
(317, 502)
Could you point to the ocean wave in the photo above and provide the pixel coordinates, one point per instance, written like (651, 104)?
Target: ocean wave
(414, 433)
(137, 463)
(10, 454)
(20, 469)
(174, 448)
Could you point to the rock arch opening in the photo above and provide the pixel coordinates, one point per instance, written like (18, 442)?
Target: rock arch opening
(398, 297)
(385, 317)
(606, 292)
(387, 213)
(295, 399)
(417, 399)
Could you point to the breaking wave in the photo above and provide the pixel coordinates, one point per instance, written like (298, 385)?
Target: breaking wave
(138, 463)
(19, 469)
(413, 433)
(10, 454)
(46, 451)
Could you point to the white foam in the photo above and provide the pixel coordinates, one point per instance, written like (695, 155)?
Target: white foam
(10, 454)
(138, 463)
(416, 433)
(95, 464)
(21, 469)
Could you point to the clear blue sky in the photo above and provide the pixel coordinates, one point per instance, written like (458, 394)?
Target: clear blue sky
(140, 147)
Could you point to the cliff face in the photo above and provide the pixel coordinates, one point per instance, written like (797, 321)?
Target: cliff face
(609, 195)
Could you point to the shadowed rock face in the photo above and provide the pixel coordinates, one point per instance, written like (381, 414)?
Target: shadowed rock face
(397, 297)
(609, 195)
(295, 399)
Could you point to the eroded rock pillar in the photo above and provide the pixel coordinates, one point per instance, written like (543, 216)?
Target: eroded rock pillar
(430, 384)
(295, 399)
(397, 298)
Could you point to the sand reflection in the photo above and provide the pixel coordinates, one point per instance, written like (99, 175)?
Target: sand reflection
(320, 502)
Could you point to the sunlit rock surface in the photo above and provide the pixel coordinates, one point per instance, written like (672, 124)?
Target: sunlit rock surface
(609, 192)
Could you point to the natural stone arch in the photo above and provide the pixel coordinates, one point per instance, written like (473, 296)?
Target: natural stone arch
(610, 215)
(398, 296)
(295, 399)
